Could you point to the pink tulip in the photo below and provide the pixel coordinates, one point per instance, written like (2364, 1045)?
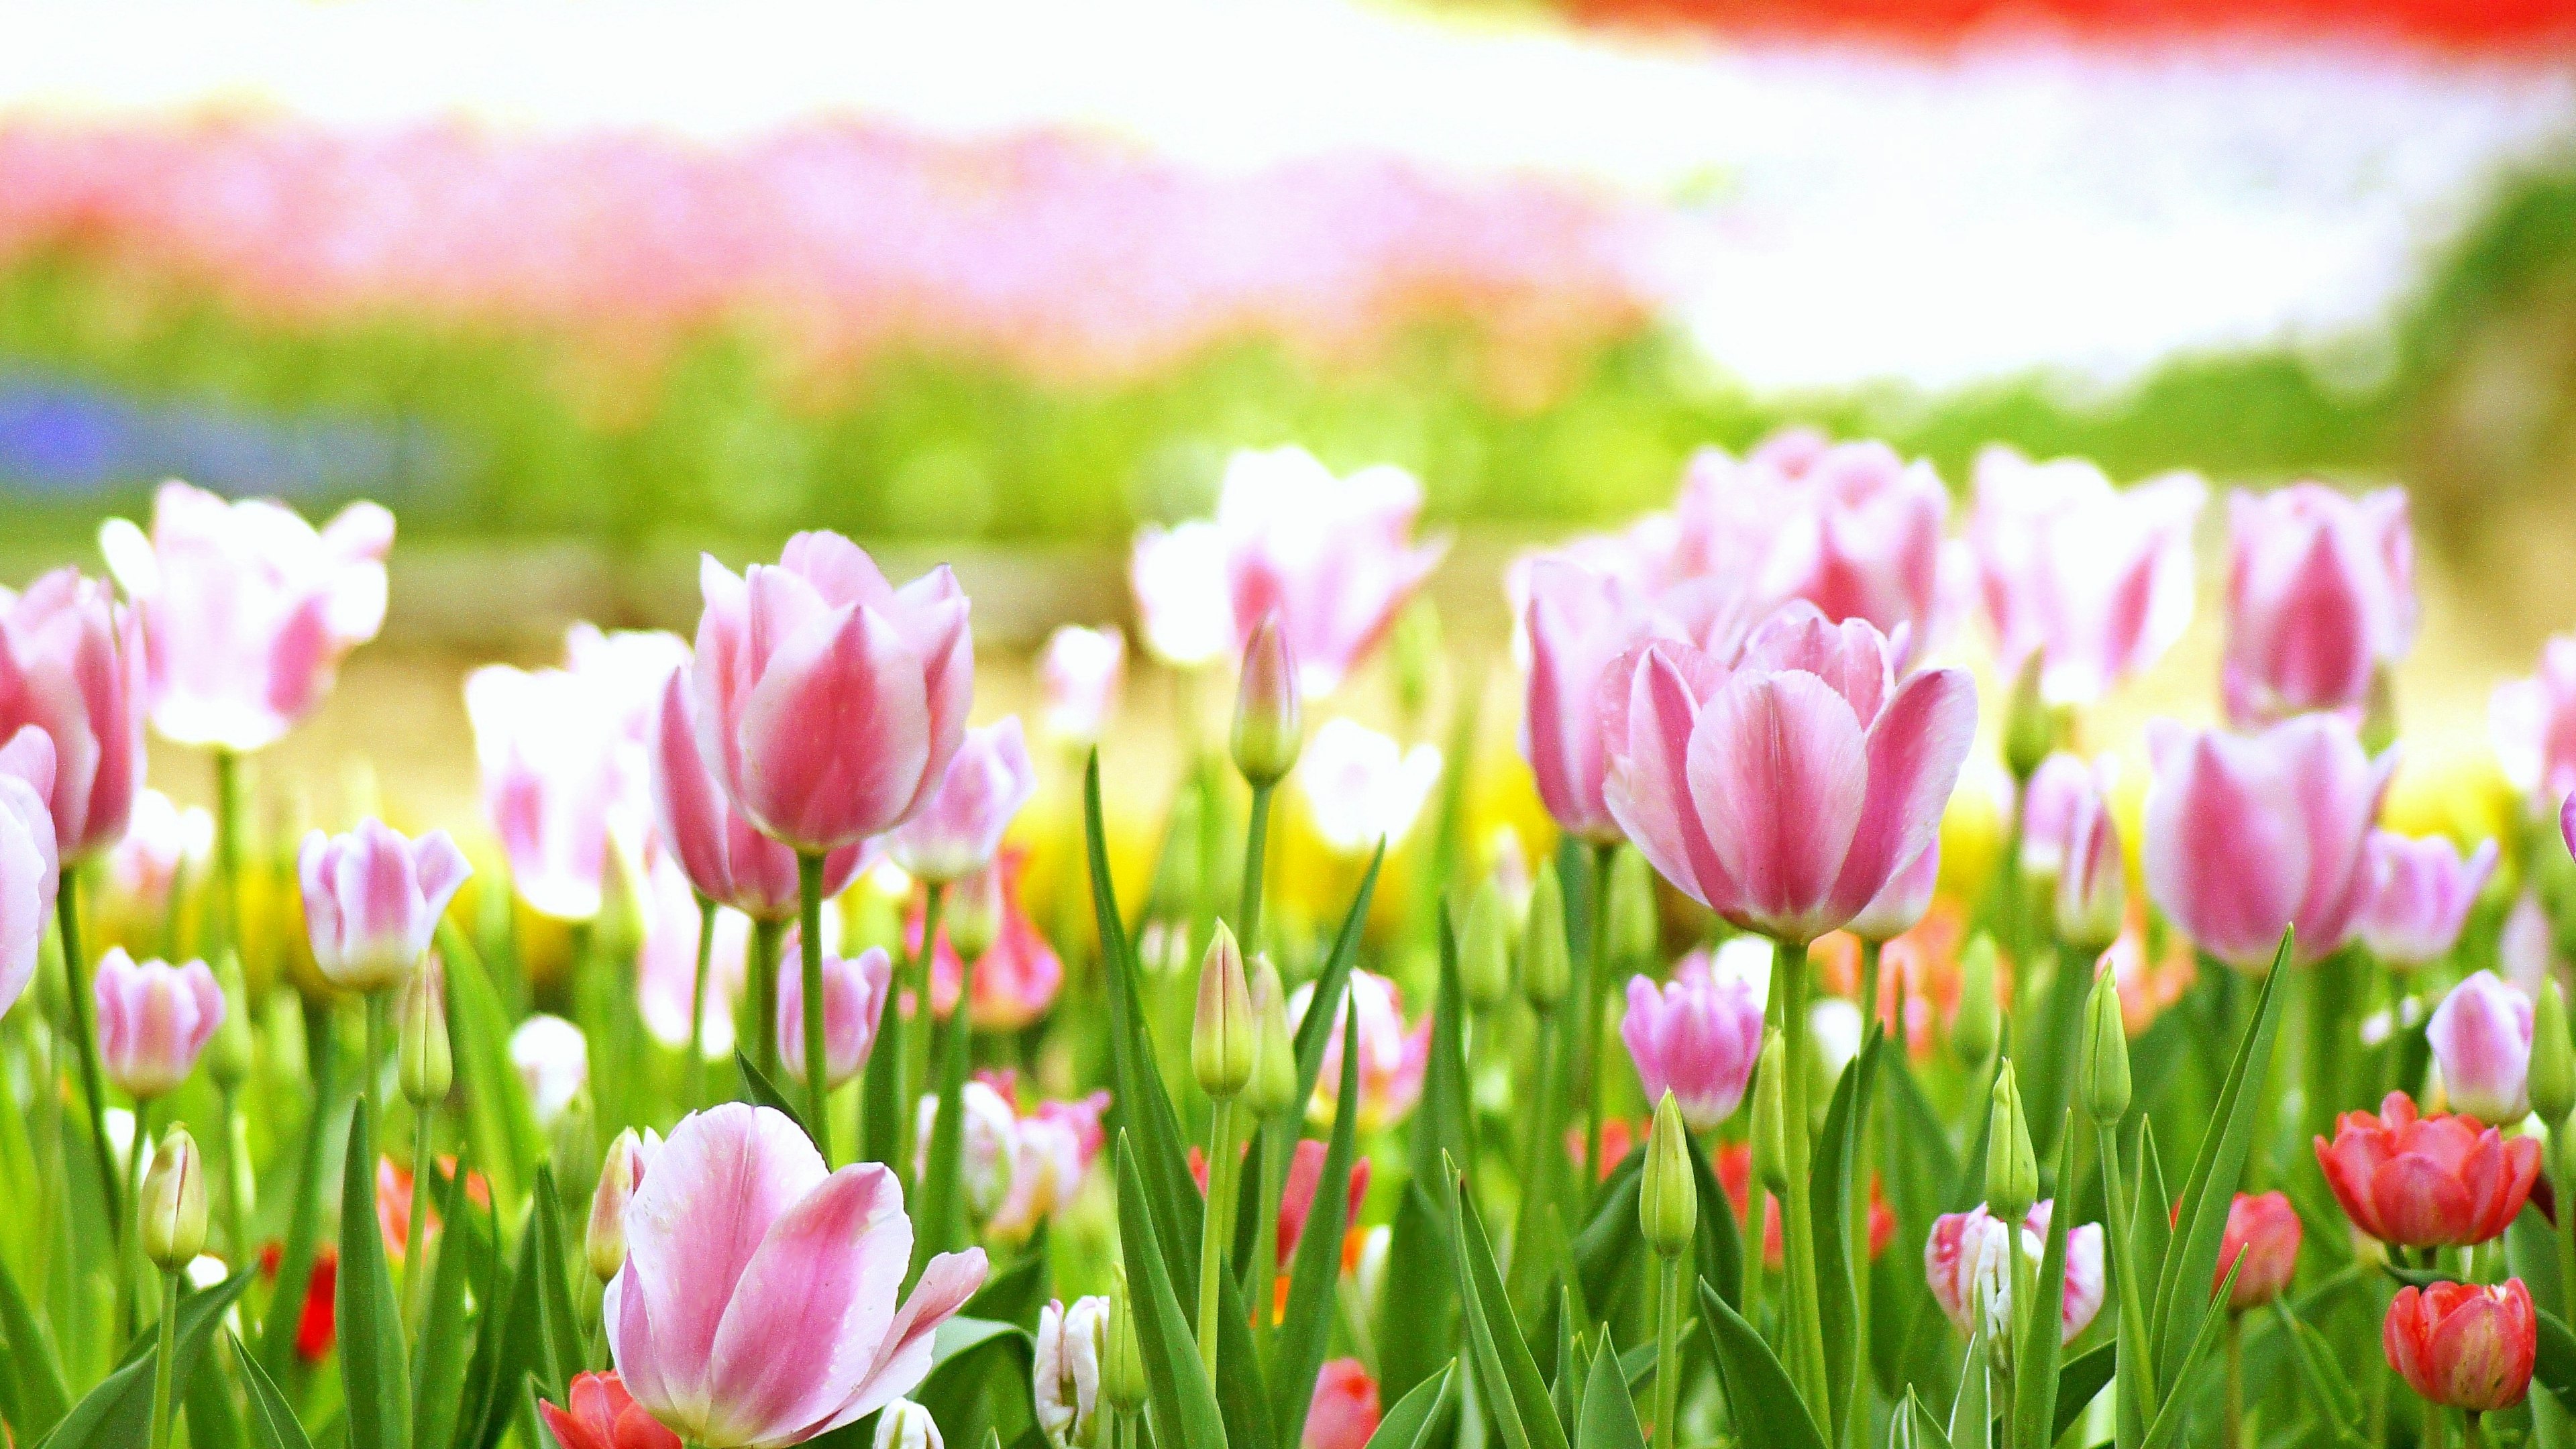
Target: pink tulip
(2481, 1038)
(30, 866)
(757, 1304)
(2050, 804)
(1851, 528)
(247, 611)
(1332, 556)
(372, 900)
(989, 1144)
(1017, 978)
(1899, 905)
(153, 1020)
(1080, 670)
(2320, 597)
(2248, 834)
(1343, 1413)
(828, 702)
(960, 826)
(1967, 1262)
(1696, 1037)
(725, 857)
(1392, 1060)
(1579, 623)
(2533, 722)
(666, 962)
(72, 664)
(2420, 893)
(552, 1059)
(854, 998)
(1786, 792)
(1054, 1148)
(2262, 1244)
(1066, 1380)
(2096, 582)
(2092, 876)
(550, 783)
(1183, 597)
(161, 839)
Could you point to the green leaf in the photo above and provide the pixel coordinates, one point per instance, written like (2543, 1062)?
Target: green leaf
(41, 1398)
(885, 1119)
(1608, 1418)
(1305, 1332)
(942, 1224)
(1180, 1399)
(2150, 1216)
(439, 1358)
(1415, 1420)
(375, 1373)
(2035, 1393)
(1018, 1292)
(1720, 1247)
(1443, 1125)
(2079, 1382)
(117, 1413)
(757, 1085)
(207, 1404)
(2553, 1364)
(1768, 1412)
(554, 1289)
(1608, 1243)
(1915, 1428)
(1417, 1324)
(1971, 1425)
(498, 1118)
(2338, 1404)
(272, 1420)
(2169, 1417)
(1835, 1169)
(514, 1346)
(1507, 1377)
(1314, 1029)
(304, 1217)
(970, 1359)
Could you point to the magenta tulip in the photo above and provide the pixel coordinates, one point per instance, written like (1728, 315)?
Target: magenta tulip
(153, 1021)
(1696, 1037)
(2533, 722)
(372, 900)
(72, 664)
(2249, 834)
(757, 1305)
(2093, 581)
(1786, 792)
(1079, 671)
(247, 611)
(855, 990)
(827, 701)
(2420, 893)
(2320, 597)
(959, 829)
(724, 855)
(1332, 556)
(2481, 1039)
(30, 865)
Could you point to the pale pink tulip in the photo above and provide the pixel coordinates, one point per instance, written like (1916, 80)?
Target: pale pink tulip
(552, 1059)
(1183, 598)
(1332, 556)
(1786, 792)
(2092, 877)
(2320, 597)
(161, 840)
(550, 783)
(1080, 670)
(1900, 904)
(989, 1144)
(724, 856)
(1361, 787)
(2527, 944)
(1392, 1059)
(855, 991)
(30, 866)
(372, 900)
(2249, 834)
(1055, 1147)
(72, 664)
(959, 828)
(247, 610)
(1066, 1383)
(1579, 622)
(2420, 893)
(1696, 1037)
(828, 702)
(153, 1020)
(1967, 1261)
(757, 1304)
(666, 962)
(2094, 581)
(2049, 807)
(2533, 722)
(1851, 528)
(2481, 1038)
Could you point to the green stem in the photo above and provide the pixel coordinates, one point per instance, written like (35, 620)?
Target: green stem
(1668, 1354)
(1856, 1198)
(85, 1040)
(164, 1370)
(2232, 1425)
(763, 969)
(2472, 1432)
(1271, 1141)
(1216, 1234)
(2564, 1152)
(2025, 1287)
(415, 1238)
(1256, 855)
(697, 1067)
(916, 1044)
(1587, 1046)
(228, 842)
(818, 1085)
(236, 1178)
(1804, 1318)
(2134, 1362)
(371, 1077)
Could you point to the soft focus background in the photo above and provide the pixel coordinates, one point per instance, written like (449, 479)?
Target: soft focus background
(580, 290)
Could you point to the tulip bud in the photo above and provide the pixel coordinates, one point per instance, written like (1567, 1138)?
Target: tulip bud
(1974, 1028)
(171, 1212)
(2106, 1053)
(1267, 729)
(2092, 886)
(1485, 949)
(1273, 1087)
(2553, 1060)
(604, 1245)
(2030, 726)
(230, 1056)
(1221, 1033)
(1770, 1113)
(1122, 1357)
(428, 1063)
(2012, 1169)
(1668, 1192)
(974, 916)
(1634, 926)
(904, 1424)
(1547, 972)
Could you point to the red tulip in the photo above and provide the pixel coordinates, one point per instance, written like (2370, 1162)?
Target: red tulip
(604, 1416)
(2263, 1236)
(2463, 1345)
(2430, 1182)
(317, 1323)
(1344, 1411)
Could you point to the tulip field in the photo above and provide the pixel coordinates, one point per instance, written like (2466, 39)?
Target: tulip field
(1843, 1042)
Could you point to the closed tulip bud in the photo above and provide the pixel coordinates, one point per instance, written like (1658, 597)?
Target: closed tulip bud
(230, 1056)
(604, 1245)
(904, 1424)
(974, 917)
(2012, 1169)
(1267, 729)
(171, 1213)
(427, 1059)
(2106, 1053)
(1221, 1032)
(1272, 1089)
(1122, 1358)
(1668, 1191)
(1974, 1028)
(2030, 725)
(1547, 972)
(1485, 948)
(1770, 1112)
(2553, 1060)
(1634, 927)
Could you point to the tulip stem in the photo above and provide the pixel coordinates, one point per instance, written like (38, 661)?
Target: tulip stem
(916, 1045)
(85, 1040)
(164, 1370)
(371, 1079)
(1802, 1315)
(697, 1066)
(1268, 1139)
(1856, 1203)
(1668, 1353)
(1256, 855)
(1542, 1115)
(2471, 1435)
(1587, 1045)
(2563, 1152)
(818, 1086)
(228, 841)
(2233, 1425)
(2133, 1311)
(415, 1270)
(236, 1176)
(1216, 1235)
(762, 968)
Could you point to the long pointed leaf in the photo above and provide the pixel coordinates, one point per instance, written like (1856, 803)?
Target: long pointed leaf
(1608, 1418)
(498, 1117)
(1305, 1333)
(1416, 1418)
(1180, 1398)
(1970, 1423)
(1507, 1377)
(1140, 1105)
(285, 1315)
(1768, 1412)
(42, 1395)
(117, 1413)
(375, 1372)
(272, 1419)
(1835, 1171)
(439, 1359)
(554, 1290)
(1314, 1030)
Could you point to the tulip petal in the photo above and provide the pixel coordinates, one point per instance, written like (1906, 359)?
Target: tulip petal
(2224, 855)
(1779, 767)
(1915, 751)
(904, 1357)
(836, 735)
(2419, 1204)
(1650, 703)
(816, 1296)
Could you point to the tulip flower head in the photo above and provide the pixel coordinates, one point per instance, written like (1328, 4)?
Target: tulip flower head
(989, 1145)
(600, 1414)
(2262, 1244)
(170, 1210)
(1579, 622)
(2092, 879)
(2094, 582)
(1018, 974)
(2463, 1345)
(1965, 1261)
(2420, 893)
(828, 702)
(724, 856)
(855, 992)
(1343, 1413)
(550, 783)
(1332, 557)
(2057, 793)
(2427, 1182)
(666, 962)
(907, 1425)
(552, 1058)
(2320, 598)
(30, 866)
(959, 828)
(1052, 1148)
(161, 841)
(621, 1172)
(2481, 1037)
(1696, 1037)
(1851, 528)
(1361, 787)
(372, 900)
(1079, 672)
(72, 664)
(1067, 1379)
(153, 1020)
(757, 1305)
(247, 610)
(1899, 905)
(1178, 576)
(2533, 724)
(1392, 1059)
